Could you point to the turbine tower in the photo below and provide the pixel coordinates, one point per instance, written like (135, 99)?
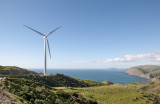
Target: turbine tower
(46, 42)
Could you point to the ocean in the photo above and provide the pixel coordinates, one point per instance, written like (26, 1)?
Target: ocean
(100, 75)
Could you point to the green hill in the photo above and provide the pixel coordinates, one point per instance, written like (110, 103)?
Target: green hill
(27, 91)
(134, 93)
(39, 89)
(31, 91)
(56, 80)
(147, 71)
(13, 70)
(62, 89)
(28, 87)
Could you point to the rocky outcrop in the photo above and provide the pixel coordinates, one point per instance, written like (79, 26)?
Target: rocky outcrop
(137, 72)
(6, 98)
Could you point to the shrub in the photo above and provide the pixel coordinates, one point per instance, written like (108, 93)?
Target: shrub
(62, 94)
(107, 82)
(37, 101)
(58, 101)
(92, 102)
(76, 103)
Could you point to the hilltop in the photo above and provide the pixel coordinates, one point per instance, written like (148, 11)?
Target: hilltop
(13, 70)
(147, 71)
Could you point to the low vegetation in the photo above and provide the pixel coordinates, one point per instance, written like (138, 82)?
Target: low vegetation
(136, 93)
(56, 80)
(28, 91)
(34, 88)
(13, 70)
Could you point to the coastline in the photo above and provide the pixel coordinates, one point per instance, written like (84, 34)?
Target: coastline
(115, 76)
(148, 79)
(150, 72)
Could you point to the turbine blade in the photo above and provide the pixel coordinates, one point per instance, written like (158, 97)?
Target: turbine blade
(53, 31)
(35, 30)
(48, 48)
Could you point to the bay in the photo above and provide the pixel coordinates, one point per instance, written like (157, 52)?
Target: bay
(100, 75)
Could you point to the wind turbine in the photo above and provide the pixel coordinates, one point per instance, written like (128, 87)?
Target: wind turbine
(46, 42)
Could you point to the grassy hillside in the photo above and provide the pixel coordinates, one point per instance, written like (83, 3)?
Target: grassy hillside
(136, 93)
(31, 92)
(29, 87)
(62, 89)
(13, 70)
(147, 71)
(94, 83)
(56, 80)
(38, 89)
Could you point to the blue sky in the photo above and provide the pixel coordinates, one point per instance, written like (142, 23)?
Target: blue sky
(94, 34)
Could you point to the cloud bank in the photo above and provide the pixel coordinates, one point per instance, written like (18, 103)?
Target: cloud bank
(154, 56)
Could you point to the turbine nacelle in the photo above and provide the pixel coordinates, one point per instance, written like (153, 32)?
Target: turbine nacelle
(45, 37)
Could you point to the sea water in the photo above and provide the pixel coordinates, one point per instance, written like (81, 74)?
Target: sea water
(100, 75)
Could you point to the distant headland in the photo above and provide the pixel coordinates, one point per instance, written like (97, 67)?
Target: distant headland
(147, 71)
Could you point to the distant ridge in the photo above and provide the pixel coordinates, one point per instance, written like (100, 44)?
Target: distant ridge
(147, 71)
(13, 70)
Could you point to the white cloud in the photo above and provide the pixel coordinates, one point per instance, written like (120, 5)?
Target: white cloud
(154, 56)
(157, 58)
(80, 61)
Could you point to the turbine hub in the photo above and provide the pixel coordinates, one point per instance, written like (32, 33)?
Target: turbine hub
(44, 37)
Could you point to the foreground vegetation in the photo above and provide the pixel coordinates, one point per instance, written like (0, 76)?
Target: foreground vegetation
(34, 88)
(135, 93)
(37, 89)
(33, 91)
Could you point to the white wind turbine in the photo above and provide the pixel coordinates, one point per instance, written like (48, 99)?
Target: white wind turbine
(45, 41)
